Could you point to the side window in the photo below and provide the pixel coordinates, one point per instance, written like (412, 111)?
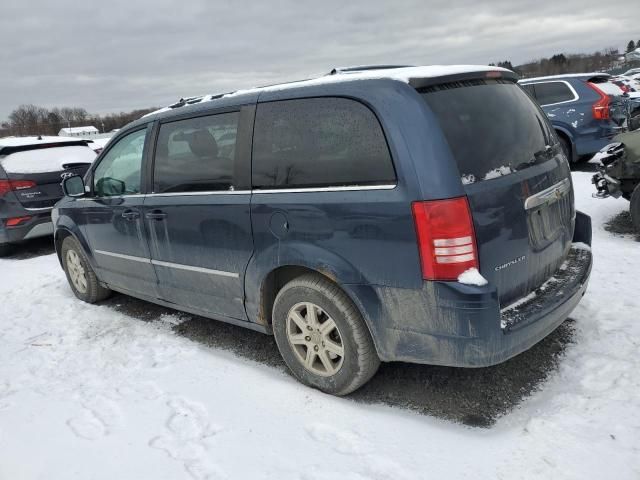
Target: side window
(119, 170)
(319, 142)
(553, 92)
(197, 154)
(529, 89)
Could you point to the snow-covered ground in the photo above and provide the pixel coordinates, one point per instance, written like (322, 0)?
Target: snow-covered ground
(87, 392)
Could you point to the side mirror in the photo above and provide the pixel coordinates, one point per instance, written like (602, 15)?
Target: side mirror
(73, 186)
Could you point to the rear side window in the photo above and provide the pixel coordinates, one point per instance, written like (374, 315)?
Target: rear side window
(529, 90)
(548, 93)
(319, 142)
(492, 126)
(197, 154)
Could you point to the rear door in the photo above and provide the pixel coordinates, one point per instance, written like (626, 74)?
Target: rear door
(37, 171)
(516, 178)
(198, 216)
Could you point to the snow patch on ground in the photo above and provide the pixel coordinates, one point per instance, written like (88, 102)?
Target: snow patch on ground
(87, 392)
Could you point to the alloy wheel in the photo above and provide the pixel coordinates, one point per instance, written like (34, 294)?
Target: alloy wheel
(76, 271)
(315, 339)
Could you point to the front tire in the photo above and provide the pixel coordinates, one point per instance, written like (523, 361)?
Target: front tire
(322, 337)
(81, 277)
(634, 208)
(566, 148)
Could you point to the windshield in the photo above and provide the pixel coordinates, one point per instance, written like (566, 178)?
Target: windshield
(492, 126)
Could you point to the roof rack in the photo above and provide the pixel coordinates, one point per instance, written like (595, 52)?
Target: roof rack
(361, 68)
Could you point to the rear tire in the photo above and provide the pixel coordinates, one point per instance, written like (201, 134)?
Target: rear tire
(5, 249)
(81, 277)
(322, 337)
(634, 208)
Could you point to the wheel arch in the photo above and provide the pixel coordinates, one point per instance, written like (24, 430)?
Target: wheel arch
(64, 231)
(279, 276)
(566, 136)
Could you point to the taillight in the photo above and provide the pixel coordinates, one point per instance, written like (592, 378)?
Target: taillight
(600, 109)
(446, 239)
(7, 186)
(15, 221)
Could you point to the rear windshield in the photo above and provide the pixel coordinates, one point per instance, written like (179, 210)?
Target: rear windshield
(45, 160)
(492, 126)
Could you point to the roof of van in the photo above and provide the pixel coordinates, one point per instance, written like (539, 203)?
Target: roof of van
(566, 75)
(401, 74)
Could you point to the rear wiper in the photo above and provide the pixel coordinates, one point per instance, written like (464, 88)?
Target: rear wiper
(75, 165)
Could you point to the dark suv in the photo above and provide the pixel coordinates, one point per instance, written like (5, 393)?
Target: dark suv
(583, 108)
(31, 170)
(416, 214)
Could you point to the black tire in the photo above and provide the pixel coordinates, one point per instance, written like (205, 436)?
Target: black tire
(359, 361)
(634, 208)
(5, 249)
(566, 148)
(94, 292)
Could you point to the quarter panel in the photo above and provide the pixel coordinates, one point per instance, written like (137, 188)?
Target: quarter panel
(362, 236)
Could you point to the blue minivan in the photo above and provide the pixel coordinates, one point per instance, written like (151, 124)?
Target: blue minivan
(583, 109)
(420, 214)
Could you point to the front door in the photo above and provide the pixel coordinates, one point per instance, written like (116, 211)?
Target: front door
(198, 215)
(114, 224)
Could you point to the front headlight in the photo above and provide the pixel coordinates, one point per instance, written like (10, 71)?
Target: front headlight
(54, 216)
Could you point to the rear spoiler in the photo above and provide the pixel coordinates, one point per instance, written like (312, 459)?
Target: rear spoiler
(7, 150)
(418, 83)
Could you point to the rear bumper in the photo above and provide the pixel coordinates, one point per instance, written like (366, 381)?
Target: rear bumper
(448, 323)
(38, 226)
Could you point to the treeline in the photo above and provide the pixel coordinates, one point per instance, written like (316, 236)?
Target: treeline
(632, 46)
(604, 60)
(36, 120)
(572, 63)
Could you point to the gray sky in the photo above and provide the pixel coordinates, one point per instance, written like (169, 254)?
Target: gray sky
(119, 55)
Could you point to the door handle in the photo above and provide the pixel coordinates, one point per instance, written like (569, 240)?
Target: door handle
(156, 215)
(130, 215)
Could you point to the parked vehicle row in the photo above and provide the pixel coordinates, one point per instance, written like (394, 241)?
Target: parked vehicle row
(374, 214)
(586, 110)
(31, 169)
(633, 73)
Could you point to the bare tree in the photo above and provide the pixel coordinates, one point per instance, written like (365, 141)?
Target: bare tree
(35, 120)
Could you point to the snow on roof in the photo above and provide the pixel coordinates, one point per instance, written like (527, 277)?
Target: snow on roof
(100, 142)
(87, 129)
(566, 75)
(401, 74)
(33, 140)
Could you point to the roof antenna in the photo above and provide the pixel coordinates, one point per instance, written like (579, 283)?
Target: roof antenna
(39, 137)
